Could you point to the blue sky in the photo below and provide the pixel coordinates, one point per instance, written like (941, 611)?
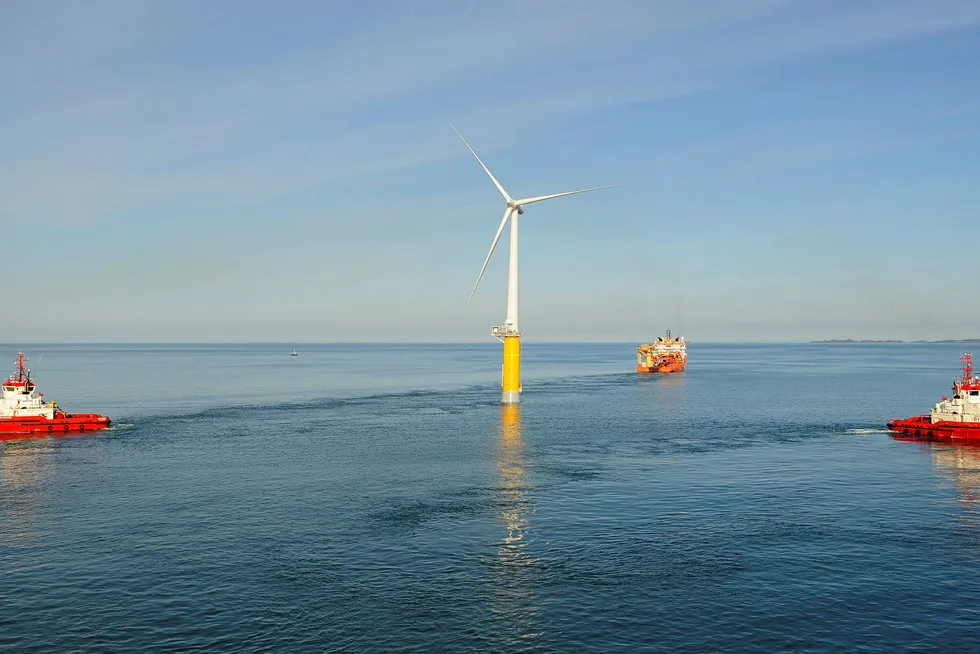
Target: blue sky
(228, 171)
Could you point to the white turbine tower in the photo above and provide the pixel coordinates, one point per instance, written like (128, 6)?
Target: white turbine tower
(509, 333)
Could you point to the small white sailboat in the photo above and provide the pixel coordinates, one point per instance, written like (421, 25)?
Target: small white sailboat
(294, 354)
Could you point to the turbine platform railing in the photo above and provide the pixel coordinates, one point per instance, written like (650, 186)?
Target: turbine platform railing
(500, 332)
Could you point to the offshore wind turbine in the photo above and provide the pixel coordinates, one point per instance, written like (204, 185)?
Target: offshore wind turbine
(509, 333)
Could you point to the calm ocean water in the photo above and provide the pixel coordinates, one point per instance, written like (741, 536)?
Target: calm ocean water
(377, 498)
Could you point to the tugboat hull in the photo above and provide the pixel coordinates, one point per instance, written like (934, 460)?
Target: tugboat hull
(63, 424)
(943, 431)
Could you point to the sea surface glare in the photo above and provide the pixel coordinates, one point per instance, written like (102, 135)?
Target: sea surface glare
(378, 498)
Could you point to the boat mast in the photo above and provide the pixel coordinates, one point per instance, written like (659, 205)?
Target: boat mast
(22, 373)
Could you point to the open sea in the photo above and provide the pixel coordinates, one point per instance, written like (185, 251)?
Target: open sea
(378, 498)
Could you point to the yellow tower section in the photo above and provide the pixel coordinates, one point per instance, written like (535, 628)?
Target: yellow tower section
(511, 377)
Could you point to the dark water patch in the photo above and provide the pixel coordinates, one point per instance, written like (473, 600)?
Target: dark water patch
(406, 516)
(450, 401)
(454, 400)
(583, 383)
(568, 472)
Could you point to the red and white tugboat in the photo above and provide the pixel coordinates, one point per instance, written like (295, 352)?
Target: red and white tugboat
(954, 420)
(22, 411)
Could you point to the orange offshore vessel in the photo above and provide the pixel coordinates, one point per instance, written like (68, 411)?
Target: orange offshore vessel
(23, 411)
(666, 354)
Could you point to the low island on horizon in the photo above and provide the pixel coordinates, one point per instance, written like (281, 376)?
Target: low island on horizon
(871, 340)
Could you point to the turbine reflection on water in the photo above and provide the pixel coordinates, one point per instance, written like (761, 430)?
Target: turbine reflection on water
(515, 504)
(514, 566)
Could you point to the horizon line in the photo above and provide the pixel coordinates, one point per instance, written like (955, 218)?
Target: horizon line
(485, 342)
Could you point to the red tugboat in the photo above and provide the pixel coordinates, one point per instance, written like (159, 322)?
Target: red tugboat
(22, 411)
(951, 420)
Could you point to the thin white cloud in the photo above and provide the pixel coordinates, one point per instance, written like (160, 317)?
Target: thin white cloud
(184, 132)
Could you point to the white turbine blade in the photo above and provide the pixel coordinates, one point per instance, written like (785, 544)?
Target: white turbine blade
(558, 195)
(492, 178)
(493, 246)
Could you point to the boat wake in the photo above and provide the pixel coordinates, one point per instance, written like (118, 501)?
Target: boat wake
(119, 427)
(866, 431)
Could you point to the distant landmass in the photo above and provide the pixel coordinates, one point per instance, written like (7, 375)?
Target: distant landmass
(871, 340)
(851, 340)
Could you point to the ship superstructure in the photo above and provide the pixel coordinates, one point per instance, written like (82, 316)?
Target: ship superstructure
(954, 418)
(666, 354)
(24, 411)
